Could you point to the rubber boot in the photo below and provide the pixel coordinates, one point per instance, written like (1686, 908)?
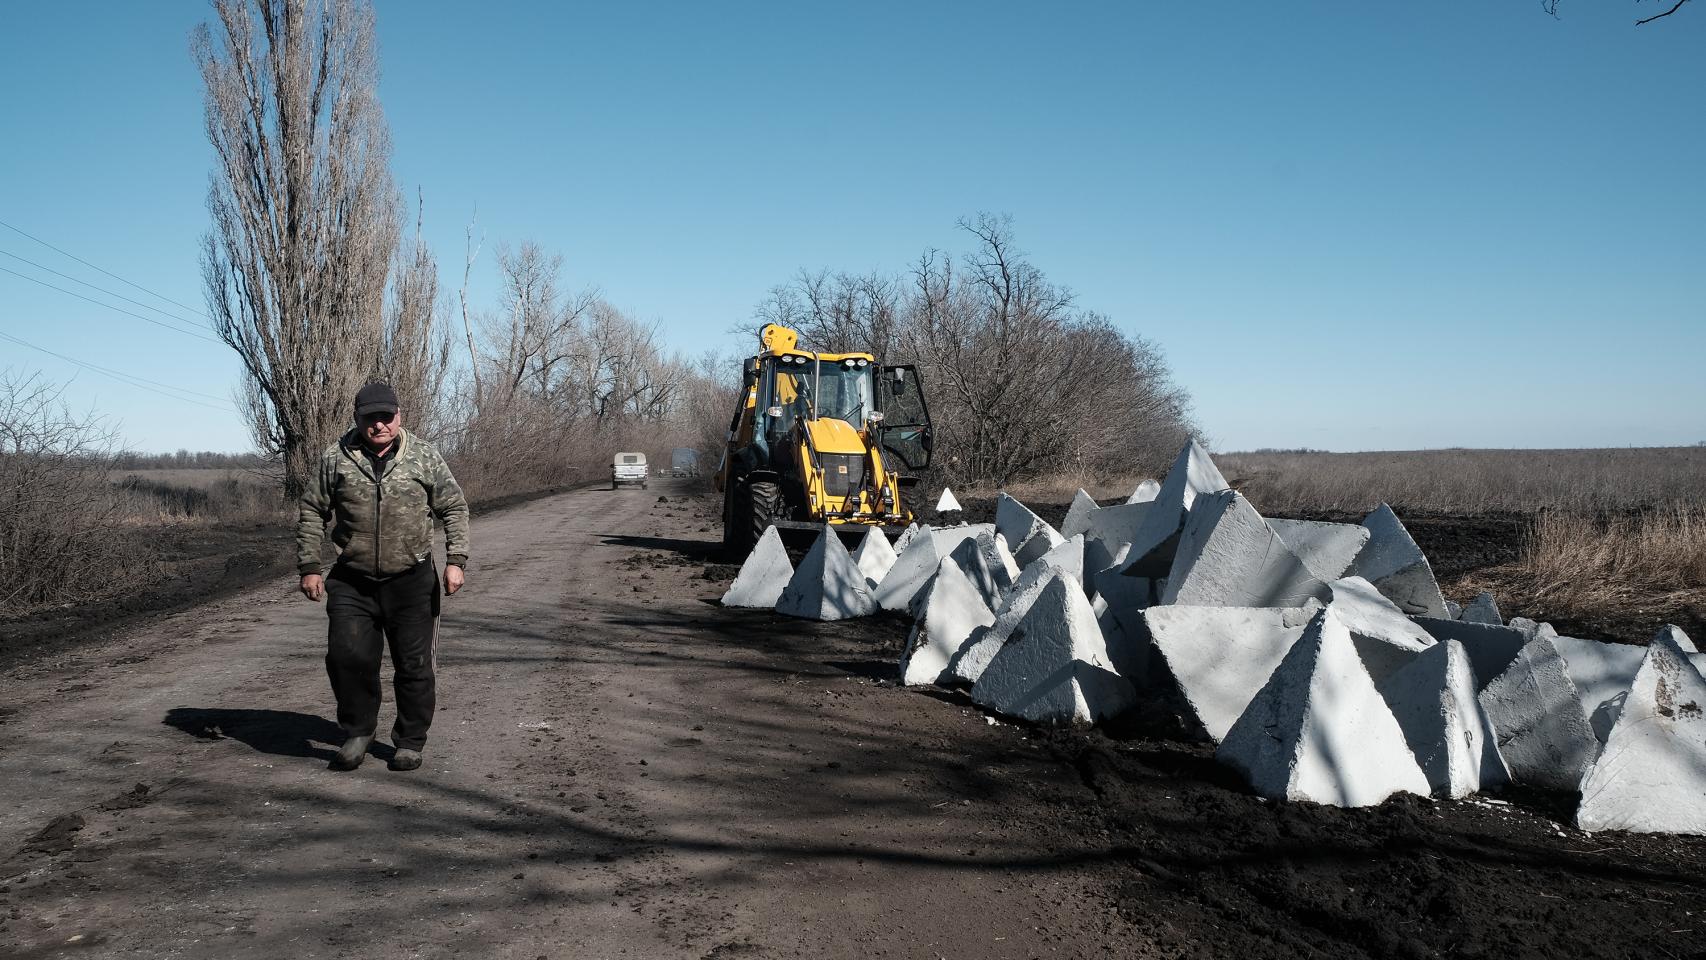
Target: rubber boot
(351, 753)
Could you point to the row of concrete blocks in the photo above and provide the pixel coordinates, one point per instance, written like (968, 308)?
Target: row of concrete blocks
(1321, 658)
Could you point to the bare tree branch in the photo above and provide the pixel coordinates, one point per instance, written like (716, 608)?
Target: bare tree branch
(1674, 8)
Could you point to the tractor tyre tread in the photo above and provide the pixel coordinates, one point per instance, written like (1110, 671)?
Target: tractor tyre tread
(764, 507)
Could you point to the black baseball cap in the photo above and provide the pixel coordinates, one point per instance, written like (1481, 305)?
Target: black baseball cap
(375, 398)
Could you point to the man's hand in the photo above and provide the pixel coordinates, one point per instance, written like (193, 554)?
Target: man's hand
(453, 579)
(313, 586)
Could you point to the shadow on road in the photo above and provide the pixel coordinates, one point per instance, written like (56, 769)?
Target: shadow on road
(703, 551)
(279, 732)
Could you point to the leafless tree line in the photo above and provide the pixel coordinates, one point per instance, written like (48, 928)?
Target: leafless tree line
(558, 381)
(1021, 382)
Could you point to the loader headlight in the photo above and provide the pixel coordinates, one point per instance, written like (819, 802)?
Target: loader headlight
(876, 416)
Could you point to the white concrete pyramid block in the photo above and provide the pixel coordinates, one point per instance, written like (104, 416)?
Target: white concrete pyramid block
(1007, 562)
(1041, 542)
(1674, 634)
(1228, 556)
(912, 570)
(1386, 639)
(947, 538)
(972, 659)
(1433, 698)
(1014, 520)
(1542, 729)
(1113, 590)
(905, 539)
(980, 560)
(763, 576)
(874, 556)
(1482, 609)
(946, 502)
(1532, 628)
(1055, 667)
(1603, 673)
(1129, 647)
(1068, 556)
(907, 580)
(999, 561)
(1452, 610)
(1319, 730)
(1078, 515)
(1029, 535)
(1219, 657)
(1491, 649)
(1110, 531)
(1193, 474)
(827, 585)
(1147, 490)
(952, 615)
(1397, 567)
(1328, 549)
(1651, 777)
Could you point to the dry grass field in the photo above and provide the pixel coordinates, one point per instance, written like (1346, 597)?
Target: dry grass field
(1608, 543)
(1470, 481)
(1612, 542)
(192, 495)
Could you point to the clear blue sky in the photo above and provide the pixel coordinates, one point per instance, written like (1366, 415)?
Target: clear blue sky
(1349, 225)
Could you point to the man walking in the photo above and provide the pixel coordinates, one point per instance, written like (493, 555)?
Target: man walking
(380, 487)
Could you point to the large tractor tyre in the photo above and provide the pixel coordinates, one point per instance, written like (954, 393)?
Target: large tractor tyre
(731, 536)
(757, 505)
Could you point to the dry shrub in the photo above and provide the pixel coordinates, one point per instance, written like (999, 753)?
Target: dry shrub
(56, 505)
(1573, 560)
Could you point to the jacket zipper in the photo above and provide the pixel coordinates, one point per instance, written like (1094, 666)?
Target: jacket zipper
(378, 510)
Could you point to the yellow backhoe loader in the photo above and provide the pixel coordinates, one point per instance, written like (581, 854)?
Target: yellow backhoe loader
(820, 438)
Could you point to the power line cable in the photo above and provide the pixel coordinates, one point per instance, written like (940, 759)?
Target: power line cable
(67, 276)
(101, 303)
(141, 383)
(107, 272)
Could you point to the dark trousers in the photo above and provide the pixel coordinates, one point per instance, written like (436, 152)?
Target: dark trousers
(364, 615)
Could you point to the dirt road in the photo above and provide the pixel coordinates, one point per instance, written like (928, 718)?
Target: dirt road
(616, 769)
(621, 768)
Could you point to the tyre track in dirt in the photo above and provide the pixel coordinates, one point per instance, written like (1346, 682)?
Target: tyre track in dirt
(616, 769)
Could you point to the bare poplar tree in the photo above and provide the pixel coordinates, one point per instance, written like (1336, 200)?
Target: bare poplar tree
(415, 357)
(305, 216)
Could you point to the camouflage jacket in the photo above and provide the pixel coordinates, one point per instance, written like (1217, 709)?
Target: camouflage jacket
(381, 527)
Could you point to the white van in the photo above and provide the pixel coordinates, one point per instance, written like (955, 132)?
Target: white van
(628, 468)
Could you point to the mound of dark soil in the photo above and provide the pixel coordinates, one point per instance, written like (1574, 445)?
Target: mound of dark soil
(1211, 871)
(189, 564)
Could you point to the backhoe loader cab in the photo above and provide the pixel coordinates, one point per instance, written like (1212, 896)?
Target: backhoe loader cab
(820, 438)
